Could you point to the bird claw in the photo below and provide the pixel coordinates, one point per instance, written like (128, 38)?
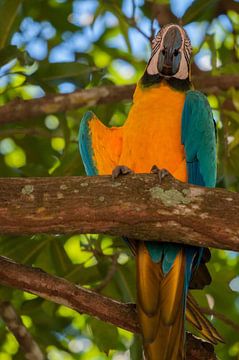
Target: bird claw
(121, 170)
(162, 173)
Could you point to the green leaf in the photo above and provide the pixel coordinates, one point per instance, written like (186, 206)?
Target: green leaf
(230, 68)
(60, 259)
(84, 276)
(56, 73)
(136, 348)
(8, 53)
(105, 335)
(11, 52)
(235, 141)
(233, 115)
(200, 10)
(210, 39)
(24, 249)
(8, 13)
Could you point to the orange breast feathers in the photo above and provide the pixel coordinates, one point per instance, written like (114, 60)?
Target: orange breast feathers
(150, 136)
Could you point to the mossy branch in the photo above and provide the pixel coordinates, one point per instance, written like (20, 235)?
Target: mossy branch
(135, 206)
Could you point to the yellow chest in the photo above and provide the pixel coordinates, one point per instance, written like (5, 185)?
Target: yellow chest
(152, 132)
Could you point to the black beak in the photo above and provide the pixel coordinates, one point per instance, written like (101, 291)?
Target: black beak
(169, 59)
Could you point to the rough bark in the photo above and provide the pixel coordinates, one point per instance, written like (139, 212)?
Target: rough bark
(215, 84)
(14, 323)
(135, 206)
(61, 291)
(21, 110)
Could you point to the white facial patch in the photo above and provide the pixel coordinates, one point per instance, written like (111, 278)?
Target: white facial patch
(157, 46)
(183, 70)
(152, 68)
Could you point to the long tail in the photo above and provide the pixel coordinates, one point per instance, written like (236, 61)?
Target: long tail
(162, 291)
(200, 322)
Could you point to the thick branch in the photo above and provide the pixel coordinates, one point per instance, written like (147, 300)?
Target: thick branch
(63, 292)
(20, 110)
(135, 206)
(14, 323)
(215, 84)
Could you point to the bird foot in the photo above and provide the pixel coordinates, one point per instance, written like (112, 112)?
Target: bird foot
(121, 170)
(162, 173)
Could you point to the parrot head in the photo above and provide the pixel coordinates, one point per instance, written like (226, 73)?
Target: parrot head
(171, 53)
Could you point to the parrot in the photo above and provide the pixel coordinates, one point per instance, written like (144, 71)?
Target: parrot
(169, 129)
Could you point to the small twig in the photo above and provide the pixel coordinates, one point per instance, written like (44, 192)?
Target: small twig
(166, 16)
(132, 22)
(134, 9)
(14, 323)
(152, 32)
(221, 317)
(142, 32)
(32, 132)
(26, 131)
(109, 275)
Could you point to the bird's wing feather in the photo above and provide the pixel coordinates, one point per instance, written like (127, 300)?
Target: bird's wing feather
(195, 316)
(199, 140)
(100, 146)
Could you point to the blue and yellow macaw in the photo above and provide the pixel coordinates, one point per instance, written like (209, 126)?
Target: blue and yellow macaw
(168, 127)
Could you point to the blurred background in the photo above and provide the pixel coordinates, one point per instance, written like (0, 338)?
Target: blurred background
(59, 46)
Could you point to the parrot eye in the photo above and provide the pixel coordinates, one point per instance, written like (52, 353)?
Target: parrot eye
(175, 53)
(163, 52)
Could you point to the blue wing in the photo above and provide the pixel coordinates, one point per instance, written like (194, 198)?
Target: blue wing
(85, 145)
(199, 140)
(100, 146)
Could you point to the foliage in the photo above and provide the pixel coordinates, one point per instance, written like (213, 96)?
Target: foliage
(56, 46)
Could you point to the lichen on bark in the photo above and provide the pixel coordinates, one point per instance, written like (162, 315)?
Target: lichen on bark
(170, 197)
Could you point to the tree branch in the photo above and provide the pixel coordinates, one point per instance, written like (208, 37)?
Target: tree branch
(214, 84)
(20, 110)
(165, 16)
(14, 323)
(62, 292)
(134, 206)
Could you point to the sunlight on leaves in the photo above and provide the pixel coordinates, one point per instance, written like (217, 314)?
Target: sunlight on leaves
(16, 158)
(58, 143)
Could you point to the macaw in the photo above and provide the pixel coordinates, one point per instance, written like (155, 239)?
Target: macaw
(169, 126)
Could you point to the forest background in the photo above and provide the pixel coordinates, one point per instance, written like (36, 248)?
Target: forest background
(58, 47)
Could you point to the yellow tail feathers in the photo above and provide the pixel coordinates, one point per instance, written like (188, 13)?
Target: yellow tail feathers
(161, 308)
